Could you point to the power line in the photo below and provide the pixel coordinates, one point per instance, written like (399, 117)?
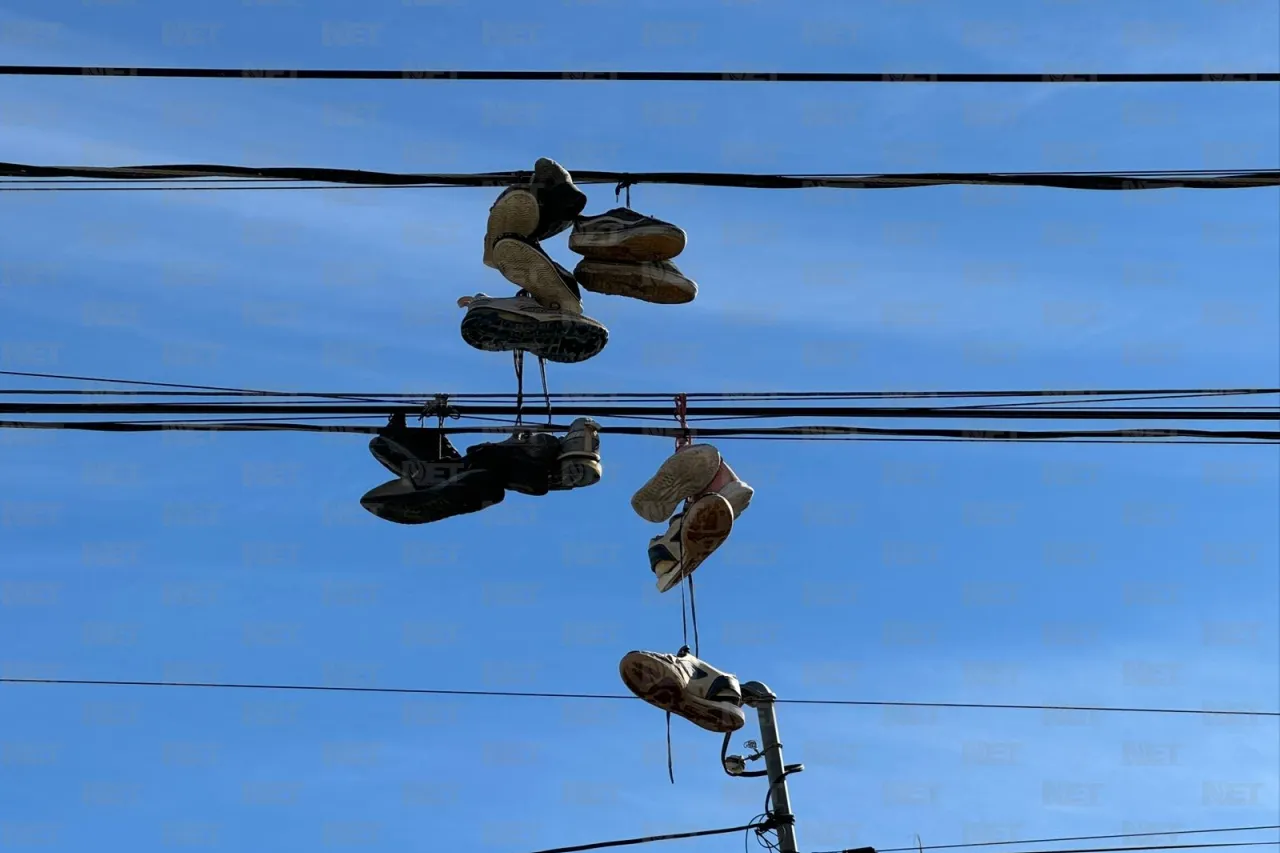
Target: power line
(1120, 436)
(376, 408)
(633, 76)
(1105, 849)
(247, 175)
(630, 395)
(652, 838)
(416, 691)
(1072, 838)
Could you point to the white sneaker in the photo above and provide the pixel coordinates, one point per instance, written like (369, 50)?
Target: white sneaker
(496, 324)
(686, 473)
(687, 687)
(691, 538)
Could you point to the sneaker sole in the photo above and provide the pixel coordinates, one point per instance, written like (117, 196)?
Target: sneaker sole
(527, 268)
(494, 330)
(627, 279)
(515, 213)
(705, 528)
(650, 243)
(581, 471)
(420, 509)
(684, 474)
(652, 680)
(707, 525)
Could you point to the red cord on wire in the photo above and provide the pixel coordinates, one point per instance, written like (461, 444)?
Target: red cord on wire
(682, 411)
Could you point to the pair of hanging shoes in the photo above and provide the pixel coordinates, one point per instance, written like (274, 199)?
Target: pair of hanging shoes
(698, 473)
(435, 482)
(629, 254)
(545, 317)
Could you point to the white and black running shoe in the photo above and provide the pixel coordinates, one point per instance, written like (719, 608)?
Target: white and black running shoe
(687, 687)
(579, 456)
(403, 502)
(524, 264)
(624, 235)
(692, 536)
(660, 282)
(519, 322)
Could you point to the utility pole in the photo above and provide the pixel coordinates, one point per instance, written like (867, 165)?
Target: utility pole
(756, 695)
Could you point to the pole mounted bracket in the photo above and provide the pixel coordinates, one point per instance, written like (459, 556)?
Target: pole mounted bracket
(755, 694)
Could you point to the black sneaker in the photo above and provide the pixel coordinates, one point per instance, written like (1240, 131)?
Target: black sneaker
(622, 234)
(559, 200)
(407, 452)
(524, 463)
(402, 502)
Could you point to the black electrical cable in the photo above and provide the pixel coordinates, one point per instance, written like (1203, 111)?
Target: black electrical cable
(652, 838)
(1075, 838)
(1118, 180)
(636, 76)
(384, 408)
(636, 395)
(1135, 436)
(619, 696)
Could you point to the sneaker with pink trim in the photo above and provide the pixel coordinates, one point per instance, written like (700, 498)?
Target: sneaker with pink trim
(731, 488)
(686, 473)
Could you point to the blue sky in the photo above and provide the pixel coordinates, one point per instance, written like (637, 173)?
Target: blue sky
(991, 573)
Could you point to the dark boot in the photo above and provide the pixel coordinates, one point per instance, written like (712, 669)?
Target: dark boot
(525, 462)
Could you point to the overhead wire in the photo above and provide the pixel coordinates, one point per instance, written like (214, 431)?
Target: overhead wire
(215, 177)
(1170, 832)
(823, 432)
(373, 407)
(636, 76)
(416, 691)
(634, 395)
